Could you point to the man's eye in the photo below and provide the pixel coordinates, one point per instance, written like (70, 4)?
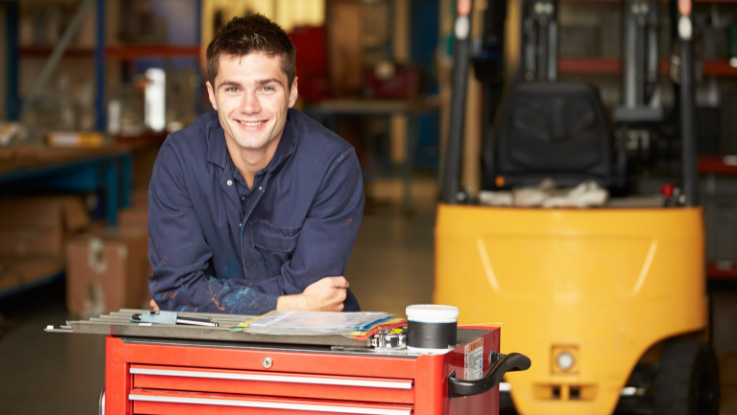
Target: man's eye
(231, 90)
(267, 88)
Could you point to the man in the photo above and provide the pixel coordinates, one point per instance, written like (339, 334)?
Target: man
(255, 207)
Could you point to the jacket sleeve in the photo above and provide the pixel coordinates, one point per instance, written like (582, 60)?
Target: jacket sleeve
(179, 254)
(329, 231)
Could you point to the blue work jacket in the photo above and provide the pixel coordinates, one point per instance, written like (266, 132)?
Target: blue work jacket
(299, 226)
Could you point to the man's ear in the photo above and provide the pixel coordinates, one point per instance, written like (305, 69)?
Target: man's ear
(211, 95)
(293, 93)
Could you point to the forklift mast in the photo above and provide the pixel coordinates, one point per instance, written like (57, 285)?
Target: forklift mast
(687, 103)
(454, 150)
(540, 37)
(640, 89)
(539, 40)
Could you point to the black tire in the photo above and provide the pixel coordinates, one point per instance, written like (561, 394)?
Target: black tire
(687, 380)
(506, 405)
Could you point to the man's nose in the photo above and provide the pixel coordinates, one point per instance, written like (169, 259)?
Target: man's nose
(250, 103)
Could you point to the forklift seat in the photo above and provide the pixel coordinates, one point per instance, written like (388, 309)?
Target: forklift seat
(555, 130)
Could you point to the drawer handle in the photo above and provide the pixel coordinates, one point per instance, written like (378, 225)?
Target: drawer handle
(270, 405)
(512, 362)
(274, 378)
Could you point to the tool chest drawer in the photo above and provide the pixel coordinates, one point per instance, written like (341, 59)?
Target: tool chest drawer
(169, 376)
(278, 384)
(158, 402)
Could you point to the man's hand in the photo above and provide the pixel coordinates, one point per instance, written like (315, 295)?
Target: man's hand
(326, 294)
(153, 305)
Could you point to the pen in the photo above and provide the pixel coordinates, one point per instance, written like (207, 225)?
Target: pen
(168, 317)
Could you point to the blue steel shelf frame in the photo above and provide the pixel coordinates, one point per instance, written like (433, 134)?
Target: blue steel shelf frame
(111, 173)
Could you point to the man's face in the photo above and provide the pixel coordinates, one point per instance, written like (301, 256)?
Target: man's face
(252, 97)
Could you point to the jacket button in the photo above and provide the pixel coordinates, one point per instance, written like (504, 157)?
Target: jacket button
(260, 188)
(229, 182)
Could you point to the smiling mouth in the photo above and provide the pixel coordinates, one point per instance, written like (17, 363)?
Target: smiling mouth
(250, 123)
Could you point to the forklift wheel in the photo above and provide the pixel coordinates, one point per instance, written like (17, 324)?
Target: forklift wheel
(687, 380)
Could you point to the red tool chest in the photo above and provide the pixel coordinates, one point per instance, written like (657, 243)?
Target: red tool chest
(176, 376)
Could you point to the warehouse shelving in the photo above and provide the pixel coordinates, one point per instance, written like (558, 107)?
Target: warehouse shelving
(600, 65)
(592, 64)
(102, 54)
(709, 167)
(726, 270)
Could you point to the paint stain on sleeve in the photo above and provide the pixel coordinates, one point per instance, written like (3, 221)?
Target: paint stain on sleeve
(217, 304)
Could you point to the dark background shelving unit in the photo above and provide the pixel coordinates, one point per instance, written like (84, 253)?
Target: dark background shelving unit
(105, 52)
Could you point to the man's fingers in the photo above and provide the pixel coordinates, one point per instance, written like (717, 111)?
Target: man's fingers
(153, 305)
(326, 294)
(330, 282)
(339, 282)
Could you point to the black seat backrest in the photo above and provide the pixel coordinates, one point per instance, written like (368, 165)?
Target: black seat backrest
(550, 129)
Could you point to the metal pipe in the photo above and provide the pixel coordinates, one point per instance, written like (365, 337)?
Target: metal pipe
(461, 55)
(630, 54)
(552, 46)
(688, 125)
(652, 69)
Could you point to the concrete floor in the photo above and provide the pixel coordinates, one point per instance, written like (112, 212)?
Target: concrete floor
(391, 267)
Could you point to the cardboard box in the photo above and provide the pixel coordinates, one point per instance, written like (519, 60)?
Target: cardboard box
(137, 214)
(139, 198)
(137, 217)
(107, 269)
(143, 165)
(16, 272)
(39, 225)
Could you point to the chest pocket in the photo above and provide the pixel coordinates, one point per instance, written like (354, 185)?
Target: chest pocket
(269, 237)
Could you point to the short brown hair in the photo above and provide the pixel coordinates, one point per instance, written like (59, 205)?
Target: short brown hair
(252, 33)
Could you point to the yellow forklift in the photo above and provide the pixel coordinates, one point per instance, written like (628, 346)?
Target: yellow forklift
(609, 302)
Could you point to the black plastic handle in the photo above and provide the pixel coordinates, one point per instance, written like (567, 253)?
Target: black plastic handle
(512, 362)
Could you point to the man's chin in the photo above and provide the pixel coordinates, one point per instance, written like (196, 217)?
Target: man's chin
(252, 144)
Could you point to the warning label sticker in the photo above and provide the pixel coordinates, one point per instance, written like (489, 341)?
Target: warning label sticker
(474, 360)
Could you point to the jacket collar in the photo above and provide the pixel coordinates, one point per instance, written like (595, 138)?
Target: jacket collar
(217, 151)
